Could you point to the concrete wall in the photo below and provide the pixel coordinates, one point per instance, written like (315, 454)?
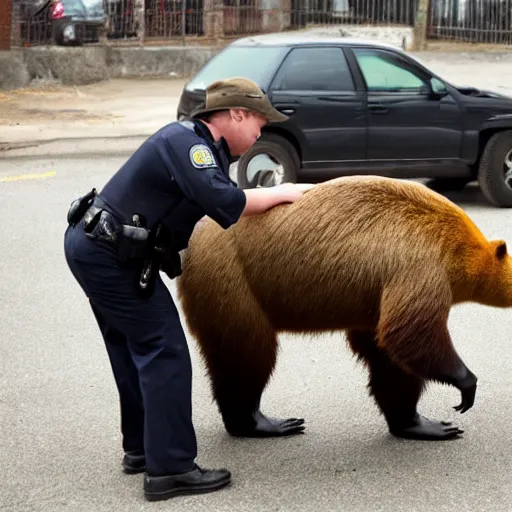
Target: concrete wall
(75, 66)
(13, 72)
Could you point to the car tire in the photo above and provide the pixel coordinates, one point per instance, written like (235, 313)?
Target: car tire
(58, 36)
(276, 147)
(491, 173)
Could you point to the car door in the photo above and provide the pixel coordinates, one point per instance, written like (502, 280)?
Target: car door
(314, 86)
(405, 120)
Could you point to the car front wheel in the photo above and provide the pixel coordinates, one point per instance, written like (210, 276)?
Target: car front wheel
(272, 160)
(495, 170)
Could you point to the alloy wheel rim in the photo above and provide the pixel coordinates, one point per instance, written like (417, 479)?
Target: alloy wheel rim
(264, 171)
(508, 169)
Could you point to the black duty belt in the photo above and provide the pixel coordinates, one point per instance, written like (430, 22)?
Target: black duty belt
(133, 241)
(99, 223)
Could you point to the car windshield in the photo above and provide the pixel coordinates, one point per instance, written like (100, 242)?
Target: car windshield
(78, 7)
(93, 4)
(254, 63)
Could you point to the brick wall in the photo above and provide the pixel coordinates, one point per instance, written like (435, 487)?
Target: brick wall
(5, 24)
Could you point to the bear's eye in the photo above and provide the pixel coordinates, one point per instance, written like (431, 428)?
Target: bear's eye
(501, 250)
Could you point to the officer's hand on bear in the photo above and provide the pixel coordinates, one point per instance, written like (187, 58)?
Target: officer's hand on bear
(304, 187)
(292, 191)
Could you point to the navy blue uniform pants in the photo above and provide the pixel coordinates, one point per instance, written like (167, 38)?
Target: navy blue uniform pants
(148, 353)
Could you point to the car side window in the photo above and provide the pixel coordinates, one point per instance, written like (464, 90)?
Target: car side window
(314, 69)
(386, 72)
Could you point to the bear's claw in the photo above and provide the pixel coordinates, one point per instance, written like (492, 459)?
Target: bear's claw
(468, 399)
(262, 426)
(423, 429)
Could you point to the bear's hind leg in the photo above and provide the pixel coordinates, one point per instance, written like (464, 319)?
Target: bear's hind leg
(240, 365)
(413, 331)
(397, 393)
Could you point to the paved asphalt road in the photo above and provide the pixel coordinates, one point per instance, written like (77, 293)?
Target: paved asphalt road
(60, 443)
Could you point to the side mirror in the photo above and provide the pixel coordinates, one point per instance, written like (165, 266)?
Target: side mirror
(438, 88)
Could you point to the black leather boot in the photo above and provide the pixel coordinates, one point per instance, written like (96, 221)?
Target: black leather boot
(134, 462)
(197, 481)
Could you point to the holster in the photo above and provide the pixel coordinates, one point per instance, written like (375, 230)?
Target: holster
(162, 256)
(79, 207)
(133, 242)
(99, 224)
(167, 253)
(170, 261)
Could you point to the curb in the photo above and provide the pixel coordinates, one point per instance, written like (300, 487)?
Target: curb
(73, 147)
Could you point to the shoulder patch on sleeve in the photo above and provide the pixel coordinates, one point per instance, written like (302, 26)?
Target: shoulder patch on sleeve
(201, 156)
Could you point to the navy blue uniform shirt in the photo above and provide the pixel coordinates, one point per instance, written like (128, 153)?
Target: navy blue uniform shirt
(178, 175)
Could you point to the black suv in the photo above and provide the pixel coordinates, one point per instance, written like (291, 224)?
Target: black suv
(359, 107)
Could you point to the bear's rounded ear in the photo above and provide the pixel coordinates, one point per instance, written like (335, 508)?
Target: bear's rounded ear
(500, 249)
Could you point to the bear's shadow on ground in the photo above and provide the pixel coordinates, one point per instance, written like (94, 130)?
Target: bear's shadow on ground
(470, 195)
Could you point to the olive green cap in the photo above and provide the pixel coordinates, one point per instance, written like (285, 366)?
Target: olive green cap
(238, 93)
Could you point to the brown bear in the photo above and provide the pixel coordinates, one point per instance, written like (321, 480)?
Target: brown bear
(379, 258)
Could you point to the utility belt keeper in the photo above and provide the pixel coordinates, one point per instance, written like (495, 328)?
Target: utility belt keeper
(133, 241)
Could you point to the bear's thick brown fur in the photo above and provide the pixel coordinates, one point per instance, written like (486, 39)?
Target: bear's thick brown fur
(382, 259)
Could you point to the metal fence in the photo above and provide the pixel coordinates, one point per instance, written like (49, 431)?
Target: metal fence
(150, 20)
(354, 12)
(475, 21)
(216, 21)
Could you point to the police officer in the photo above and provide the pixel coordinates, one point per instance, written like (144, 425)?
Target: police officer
(119, 239)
